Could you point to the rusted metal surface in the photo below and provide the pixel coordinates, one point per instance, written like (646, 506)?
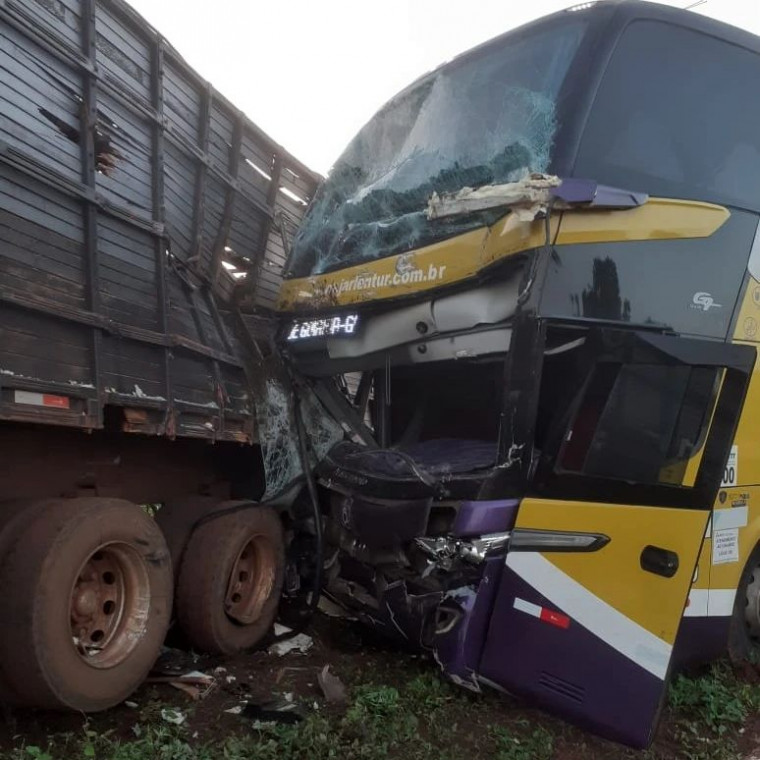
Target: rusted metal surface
(136, 213)
(40, 462)
(109, 605)
(251, 580)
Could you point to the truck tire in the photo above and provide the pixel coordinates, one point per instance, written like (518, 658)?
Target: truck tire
(88, 588)
(230, 580)
(177, 518)
(14, 517)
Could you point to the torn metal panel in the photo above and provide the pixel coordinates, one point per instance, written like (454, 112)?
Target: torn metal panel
(532, 196)
(462, 624)
(526, 198)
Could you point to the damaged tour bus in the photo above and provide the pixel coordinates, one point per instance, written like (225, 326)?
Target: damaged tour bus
(530, 291)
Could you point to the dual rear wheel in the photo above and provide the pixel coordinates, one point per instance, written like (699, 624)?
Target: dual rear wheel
(87, 588)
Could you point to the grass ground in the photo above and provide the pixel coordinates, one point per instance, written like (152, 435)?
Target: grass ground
(398, 707)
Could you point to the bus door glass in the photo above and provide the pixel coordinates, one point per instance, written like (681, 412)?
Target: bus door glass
(605, 545)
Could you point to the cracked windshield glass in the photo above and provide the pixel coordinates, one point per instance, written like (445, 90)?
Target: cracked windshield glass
(485, 119)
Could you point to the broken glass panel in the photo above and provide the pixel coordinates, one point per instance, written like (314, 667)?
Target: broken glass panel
(487, 118)
(279, 440)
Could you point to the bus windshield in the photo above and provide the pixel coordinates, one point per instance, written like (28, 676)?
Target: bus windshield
(487, 118)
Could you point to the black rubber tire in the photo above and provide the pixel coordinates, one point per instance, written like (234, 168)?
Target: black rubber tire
(177, 518)
(742, 645)
(14, 517)
(37, 652)
(204, 575)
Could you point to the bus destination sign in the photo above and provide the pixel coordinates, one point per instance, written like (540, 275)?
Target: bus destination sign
(329, 327)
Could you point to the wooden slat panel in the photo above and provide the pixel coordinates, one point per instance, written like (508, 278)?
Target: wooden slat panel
(86, 223)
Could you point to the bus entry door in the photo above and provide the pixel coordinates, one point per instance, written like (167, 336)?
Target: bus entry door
(605, 546)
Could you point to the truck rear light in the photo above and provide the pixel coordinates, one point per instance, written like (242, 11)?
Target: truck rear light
(41, 399)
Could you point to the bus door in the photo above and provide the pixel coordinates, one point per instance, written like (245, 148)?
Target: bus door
(606, 543)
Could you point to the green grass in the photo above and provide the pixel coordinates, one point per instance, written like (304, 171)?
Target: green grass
(535, 745)
(710, 710)
(423, 718)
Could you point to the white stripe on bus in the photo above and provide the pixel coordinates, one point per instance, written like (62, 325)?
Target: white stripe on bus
(529, 607)
(715, 602)
(623, 634)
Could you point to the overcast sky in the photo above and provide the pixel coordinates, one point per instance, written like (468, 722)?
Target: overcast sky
(311, 72)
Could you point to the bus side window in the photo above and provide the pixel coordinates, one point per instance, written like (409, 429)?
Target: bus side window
(640, 422)
(677, 115)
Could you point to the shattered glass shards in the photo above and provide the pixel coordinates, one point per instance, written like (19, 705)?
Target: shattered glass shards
(483, 120)
(279, 440)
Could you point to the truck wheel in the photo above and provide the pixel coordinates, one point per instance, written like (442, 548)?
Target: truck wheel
(176, 519)
(744, 634)
(230, 580)
(88, 588)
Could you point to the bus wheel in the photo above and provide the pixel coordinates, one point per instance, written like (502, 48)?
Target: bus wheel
(230, 580)
(744, 635)
(88, 589)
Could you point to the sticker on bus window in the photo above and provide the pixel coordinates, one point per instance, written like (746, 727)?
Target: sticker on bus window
(731, 473)
(725, 546)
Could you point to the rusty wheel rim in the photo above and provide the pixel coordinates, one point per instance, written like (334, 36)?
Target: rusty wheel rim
(251, 580)
(109, 605)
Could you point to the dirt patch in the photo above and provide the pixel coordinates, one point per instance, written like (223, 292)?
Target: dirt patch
(485, 725)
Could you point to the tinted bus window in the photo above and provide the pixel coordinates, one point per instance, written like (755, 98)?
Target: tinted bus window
(678, 115)
(640, 423)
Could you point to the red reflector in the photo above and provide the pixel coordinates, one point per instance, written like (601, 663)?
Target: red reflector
(555, 618)
(60, 402)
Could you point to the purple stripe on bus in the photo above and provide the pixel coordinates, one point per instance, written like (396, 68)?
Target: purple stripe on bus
(700, 639)
(478, 518)
(570, 672)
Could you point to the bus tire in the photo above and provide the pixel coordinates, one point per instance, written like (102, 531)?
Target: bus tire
(230, 580)
(88, 588)
(744, 631)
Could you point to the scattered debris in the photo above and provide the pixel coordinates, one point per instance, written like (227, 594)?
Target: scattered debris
(192, 691)
(170, 715)
(332, 687)
(263, 725)
(173, 662)
(278, 711)
(198, 685)
(331, 609)
(280, 630)
(284, 710)
(230, 679)
(132, 705)
(282, 671)
(300, 643)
